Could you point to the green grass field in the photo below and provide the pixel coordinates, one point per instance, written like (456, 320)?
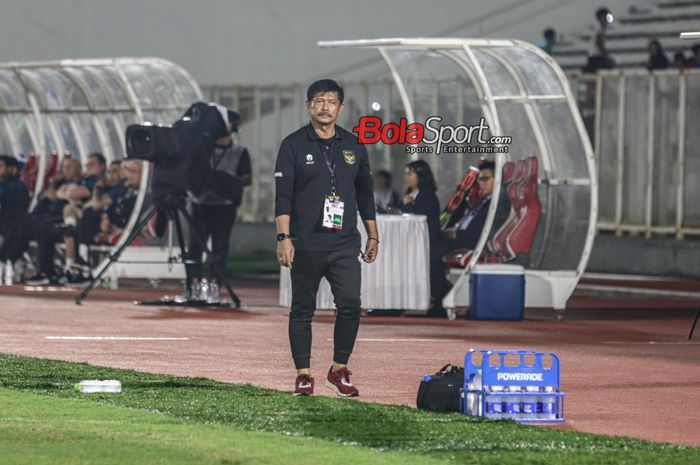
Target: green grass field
(258, 262)
(164, 419)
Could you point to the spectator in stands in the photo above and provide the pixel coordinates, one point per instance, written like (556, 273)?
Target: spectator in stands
(657, 57)
(421, 199)
(119, 211)
(598, 55)
(64, 186)
(48, 216)
(14, 202)
(13, 167)
(14, 199)
(694, 61)
(549, 39)
(105, 192)
(385, 197)
(73, 211)
(679, 60)
(106, 215)
(215, 211)
(96, 167)
(467, 230)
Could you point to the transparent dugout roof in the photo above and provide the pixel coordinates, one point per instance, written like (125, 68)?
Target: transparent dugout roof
(522, 93)
(84, 106)
(78, 105)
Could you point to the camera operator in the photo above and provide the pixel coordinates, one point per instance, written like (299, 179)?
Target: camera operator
(214, 211)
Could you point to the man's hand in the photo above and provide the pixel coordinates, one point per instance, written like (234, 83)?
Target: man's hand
(371, 250)
(77, 193)
(285, 253)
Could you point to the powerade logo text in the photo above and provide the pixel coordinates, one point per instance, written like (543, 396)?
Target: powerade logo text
(448, 138)
(519, 377)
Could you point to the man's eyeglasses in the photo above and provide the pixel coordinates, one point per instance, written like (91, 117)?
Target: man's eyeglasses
(484, 178)
(318, 102)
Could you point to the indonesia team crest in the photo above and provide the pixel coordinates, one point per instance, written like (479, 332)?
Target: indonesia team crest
(349, 157)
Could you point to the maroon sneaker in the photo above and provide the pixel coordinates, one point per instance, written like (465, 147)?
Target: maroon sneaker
(339, 382)
(304, 385)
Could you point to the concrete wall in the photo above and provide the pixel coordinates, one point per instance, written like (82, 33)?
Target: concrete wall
(634, 255)
(224, 41)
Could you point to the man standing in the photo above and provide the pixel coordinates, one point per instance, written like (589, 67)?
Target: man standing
(215, 210)
(549, 38)
(14, 202)
(598, 54)
(323, 179)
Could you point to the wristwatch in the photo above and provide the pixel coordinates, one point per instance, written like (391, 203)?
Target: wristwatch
(283, 236)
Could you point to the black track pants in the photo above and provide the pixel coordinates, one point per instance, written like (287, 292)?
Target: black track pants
(342, 270)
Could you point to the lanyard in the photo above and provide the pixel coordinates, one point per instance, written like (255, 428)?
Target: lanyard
(330, 162)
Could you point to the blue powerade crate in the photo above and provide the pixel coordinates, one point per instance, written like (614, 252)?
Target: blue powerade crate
(520, 385)
(497, 292)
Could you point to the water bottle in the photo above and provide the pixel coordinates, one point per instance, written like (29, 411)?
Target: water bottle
(549, 405)
(494, 404)
(9, 273)
(213, 297)
(529, 409)
(195, 289)
(203, 290)
(93, 385)
(113, 278)
(513, 403)
(474, 406)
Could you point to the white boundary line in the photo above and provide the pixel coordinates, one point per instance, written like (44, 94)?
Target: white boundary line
(49, 289)
(114, 338)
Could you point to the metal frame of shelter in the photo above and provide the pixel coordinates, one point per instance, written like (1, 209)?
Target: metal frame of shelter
(522, 93)
(84, 106)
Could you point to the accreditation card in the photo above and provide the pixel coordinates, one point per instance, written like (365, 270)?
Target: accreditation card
(333, 209)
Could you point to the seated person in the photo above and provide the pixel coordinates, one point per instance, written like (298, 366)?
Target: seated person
(107, 216)
(116, 216)
(14, 202)
(73, 211)
(385, 197)
(47, 215)
(421, 199)
(467, 230)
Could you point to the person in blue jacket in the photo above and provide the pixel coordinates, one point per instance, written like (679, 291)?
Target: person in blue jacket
(420, 199)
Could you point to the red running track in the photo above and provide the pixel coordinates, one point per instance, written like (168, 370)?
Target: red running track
(627, 367)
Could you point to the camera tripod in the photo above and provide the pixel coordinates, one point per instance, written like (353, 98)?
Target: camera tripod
(172, 205)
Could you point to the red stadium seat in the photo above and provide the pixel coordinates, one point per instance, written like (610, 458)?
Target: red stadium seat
(521, 237)
(508, 170)
(517, 202)
(30, 173)
(51, 169)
